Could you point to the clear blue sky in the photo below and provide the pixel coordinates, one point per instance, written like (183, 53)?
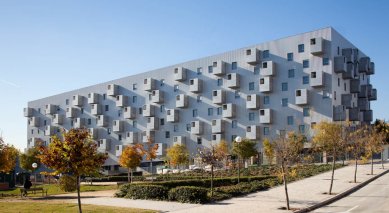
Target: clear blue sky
(49, 47)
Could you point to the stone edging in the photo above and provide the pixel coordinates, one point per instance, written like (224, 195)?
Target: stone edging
(341, 195)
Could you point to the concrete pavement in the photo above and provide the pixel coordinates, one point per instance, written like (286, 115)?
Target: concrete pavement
(302, 194)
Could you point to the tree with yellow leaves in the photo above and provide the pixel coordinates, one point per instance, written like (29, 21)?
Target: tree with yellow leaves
(374, 144)
(131, 158)
(268, 149)
(177, 155)
(8, 155)
(356, 143)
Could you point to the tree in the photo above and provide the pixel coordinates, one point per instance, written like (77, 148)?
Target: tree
(329, 139)
(151, 153)
(382, 127)
(76, 155)
(287, 149)
(30, 157)
(221, 151)
(268, 149)
(374, 144)
(8, 155)
(356, 144)
(177, 155)
(131, 158)
(244, 149)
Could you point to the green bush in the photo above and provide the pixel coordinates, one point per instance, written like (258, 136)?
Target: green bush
(218, 196)
(117, 179)
(148, 192)
(189, 194)
(123, 190)
(67, 183)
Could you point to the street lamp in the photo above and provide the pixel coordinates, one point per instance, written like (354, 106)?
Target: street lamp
(34, 166)
(238, 139)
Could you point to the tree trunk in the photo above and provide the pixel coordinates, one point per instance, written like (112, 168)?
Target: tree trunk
(151, 172)
(211, 180)
(128, 175)
(382, 159)
(332, 175)
(285, 185)
(78, 194)
(356, 168)
(371, 172)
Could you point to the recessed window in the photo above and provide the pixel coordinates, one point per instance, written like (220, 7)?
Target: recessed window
(89, 121)
(219, 111)
(194, 113)
(301, 48)
(291, 73)
(234, 124)
(251, 116)
(106, 108)
(162, 108)
(305, 79)
(175, 128)
(188, 126)
(104, 96)
(290, 56)
(306, 63)
(134, 99)
(67, 101)
(237, 94)
(119, 138)
(284, 86)
(326, 61)
(176, 88)
(256, 70)
(313, 74)
(313, 41)
(248, 52)
(264, 65)
(210, 111)
(210, 69)
(109, 131)
(306, 111)
(234, 65)
(265, 130)
(199, 98)
(262, 81)
(134, 86)
(290, 120)
(199, 140)
(199, 70)
(284, 102)
(167, 134)
(219, 81)
(251, 86)
(265, 54)
(266, 100)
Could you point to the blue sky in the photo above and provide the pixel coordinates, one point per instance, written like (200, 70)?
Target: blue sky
(49, 47)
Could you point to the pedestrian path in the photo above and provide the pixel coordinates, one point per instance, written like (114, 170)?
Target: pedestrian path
(302, 194)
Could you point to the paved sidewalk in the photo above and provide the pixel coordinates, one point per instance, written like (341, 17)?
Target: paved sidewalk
(302, 194)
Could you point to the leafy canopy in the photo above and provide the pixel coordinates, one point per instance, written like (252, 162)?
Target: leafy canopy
(245, 149)
(177, 155)
(30, 157)
(8, 155)
(132, 156)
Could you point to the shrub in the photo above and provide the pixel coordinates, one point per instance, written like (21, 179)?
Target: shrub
(217, 196)
(123, 190)
(117, 179)
(189, 194)
(150, 192)
(68, 183)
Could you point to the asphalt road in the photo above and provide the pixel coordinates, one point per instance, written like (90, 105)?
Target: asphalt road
(372, 198)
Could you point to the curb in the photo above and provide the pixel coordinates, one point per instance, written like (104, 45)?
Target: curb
(341, 195)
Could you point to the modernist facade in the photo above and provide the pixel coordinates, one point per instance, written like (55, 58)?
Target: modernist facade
(255, 92)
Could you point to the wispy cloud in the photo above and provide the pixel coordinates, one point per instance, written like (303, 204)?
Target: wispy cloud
(9, 83)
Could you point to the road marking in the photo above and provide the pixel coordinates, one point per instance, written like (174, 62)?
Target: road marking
(350, 209)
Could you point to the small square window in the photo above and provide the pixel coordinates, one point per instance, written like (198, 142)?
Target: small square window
(134, 99)
(291, 73)
(290, 56)
(290, 120)
(219, 111)
(306, 111)
(194, 113)
(264, 65)
(284, 102)
(265, 130)
(134, 86)
(256, 70)
(301, 48)
(219, 81)
(210, 69)
(199, 140)
(313, 41)
(251, 116)
(313, 74)
(284, 86)
(262, 81)
(210, 111)
(167, 134)
(234, 124)
(306, 79)
(326, 61)
(199, 70)
(234, 65)
(266, 99)
(306, 63)
(251, 86)
(265, 54)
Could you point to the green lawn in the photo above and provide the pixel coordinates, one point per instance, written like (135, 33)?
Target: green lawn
(12, 207)
(53, 189)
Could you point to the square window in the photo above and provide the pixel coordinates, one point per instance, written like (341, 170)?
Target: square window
(306, 63)
(234, 65)
(199, 140)
(306, 79)
(264, 65)
(251, 116)
(167, 134)
(67, 101)
(262, 81)
(290, 56)
(306, 111)
(210, 69)
(265, 130)
(251, 86)
(266, 99)
(188, 126)
(290, 120)
(219, 111)
(265, 54)
(234, 124)
(237, 94)
(256, 70)
(284, 86)
(199, 98)
(134, 87)
(106, 107)
(301, 48)
(175, 127)
(313, 74)
(194, 113)
(199, 70)
(219, 81)
(284, 102)
(134, 99)
(313, 41)
(326, 61)
(210, 111)
(248, 52)
(291, 73)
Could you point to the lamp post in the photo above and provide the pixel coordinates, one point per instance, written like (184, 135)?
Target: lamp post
(34, 166)
(238, 139)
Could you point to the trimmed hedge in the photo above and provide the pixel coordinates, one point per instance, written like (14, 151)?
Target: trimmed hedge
(123, 190)
(148, 192)
(189, 194)
(117, 179)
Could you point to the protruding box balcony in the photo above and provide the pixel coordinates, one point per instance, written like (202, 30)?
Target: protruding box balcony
(353, 114)
(252, 101)
(364, 65)
(148, 110)
(50, 130)
(28, 112)
(219, 68)
(132, 137)
(149, 84)
(129, 112)
(118, 126)
(50, 109)
(78, 100)
(268, 68)
(96, 109)
(102, 120)
(251, 56)
(196, 128)
(371, 69)
(372, 95)
(367, 116)
(340, 65)
(350, 54)
(317, 46)
(217, 138)
(233, 80)
(79, 122)
(112, 89)
(349, 71)
(180, 140)
(157, 96)
(363, 104)
(195, 85)
(301, 96)
(252, 132)
(265, 116)
(119, 150)
(104, 145)
(182, 101)
(58, 119)
(34, 121)
(365, 89)
(71, 112)
(121, 101)
(317, 79)
(152, 123)
(94, 133)
(93, 98)
(346, 100)
(179, 74)
(172, 115)
(218, 96)
(265, 84)
(161, 151)
(355, 86)
(217, 126)
(148, 134)
(229, 110)
(339, 113)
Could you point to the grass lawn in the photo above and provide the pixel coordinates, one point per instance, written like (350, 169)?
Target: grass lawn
(53, 189)
(62, 207)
